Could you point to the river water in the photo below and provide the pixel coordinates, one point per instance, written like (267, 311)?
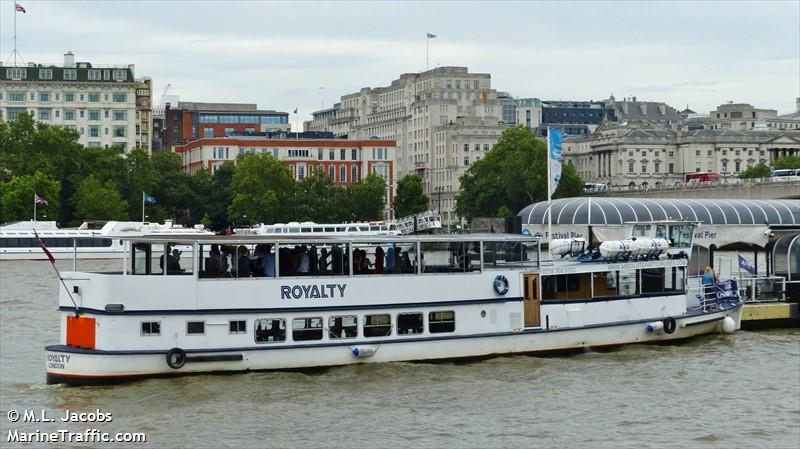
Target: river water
(735, 391)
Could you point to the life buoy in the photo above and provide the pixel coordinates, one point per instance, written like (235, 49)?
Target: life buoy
(176, 358)
(670, 325)
(501, 285)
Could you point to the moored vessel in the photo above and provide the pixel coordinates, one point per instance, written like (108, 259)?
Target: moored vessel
(243, 303)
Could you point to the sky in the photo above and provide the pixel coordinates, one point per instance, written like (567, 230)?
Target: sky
(303, 55)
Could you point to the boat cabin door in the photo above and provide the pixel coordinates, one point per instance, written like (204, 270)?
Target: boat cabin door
(532, 300)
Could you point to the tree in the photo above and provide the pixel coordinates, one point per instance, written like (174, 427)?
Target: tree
(570, 184)
(366, 199)
(141, 177)
(757, 171)
(410, 198)
(787, 162)
(512, 175)
(317, 199)
(16, 197)
(262, 190)
(94, 200)
(219, 197)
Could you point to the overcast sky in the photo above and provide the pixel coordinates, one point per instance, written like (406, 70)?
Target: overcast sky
(278, 55)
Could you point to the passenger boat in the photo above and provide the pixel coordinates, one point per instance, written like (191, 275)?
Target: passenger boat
(18, 242)
(332, 229)
(243, 303)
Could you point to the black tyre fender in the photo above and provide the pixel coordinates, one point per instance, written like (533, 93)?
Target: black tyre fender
(670, 325)
(176, 358)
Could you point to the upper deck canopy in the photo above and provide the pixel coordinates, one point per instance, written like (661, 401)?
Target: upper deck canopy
(618, 211)
(320, 238)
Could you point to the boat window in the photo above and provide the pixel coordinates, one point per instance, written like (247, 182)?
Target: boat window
(313, 259)
(450, 257)
(305, 230)
(270, 330)
(151, 328)
(374, 228)
(345, 326)
(384, 258)
(605, 284)
(195, 327)
(663, 280)
(237, 327)
(141, 261)
(498, 255)
(661, 231)
(340, 229)
(307, 329)
(218, 261)
(330, 229)
(293, 230)
(317, 229)
(409, 323)
(443, 321)
(566, 287)
(377, 325)
(680, 236)
(175, 264)
(641, 230)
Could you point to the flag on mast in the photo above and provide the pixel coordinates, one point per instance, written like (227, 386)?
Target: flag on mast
(431, 36)
(149, 199)
(746, 266)
(44, 248)
(554, 141)
(39, 200)
(19, 8)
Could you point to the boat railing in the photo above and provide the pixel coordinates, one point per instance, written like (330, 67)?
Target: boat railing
(714, 296)
(762, 288)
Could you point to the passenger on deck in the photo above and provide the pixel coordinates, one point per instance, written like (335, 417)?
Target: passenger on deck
(322, 264)
(303, 262)
(268, 261)
(223, 264)
(243, 265)
(379, 259)
(407, 267)
(390, 260)
(709, 281)
(336, 259)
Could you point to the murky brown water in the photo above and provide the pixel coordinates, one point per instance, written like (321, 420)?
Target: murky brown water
(717, 391)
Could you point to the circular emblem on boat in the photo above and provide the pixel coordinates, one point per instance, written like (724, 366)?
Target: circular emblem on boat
(670, 325)
(176, 358)
(501, 285)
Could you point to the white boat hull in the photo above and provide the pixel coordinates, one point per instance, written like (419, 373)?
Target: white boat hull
(72, 365)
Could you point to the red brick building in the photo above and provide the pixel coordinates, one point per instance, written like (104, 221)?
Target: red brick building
(191, 121)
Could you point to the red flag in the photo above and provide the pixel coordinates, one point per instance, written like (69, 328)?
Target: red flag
(38, 199)
(44, 248)
(19, 8)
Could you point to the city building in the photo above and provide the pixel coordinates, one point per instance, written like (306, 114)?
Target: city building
(344, 161)
(188, 121)
(647, 155)
(529, 112)
(448, 103)
(631, 110)
(144, 113)
(745, 116)
(98, 102)
(509, 108)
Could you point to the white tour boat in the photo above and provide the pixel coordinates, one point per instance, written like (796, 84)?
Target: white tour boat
(332, 229)
(18, 242)
(243, 303)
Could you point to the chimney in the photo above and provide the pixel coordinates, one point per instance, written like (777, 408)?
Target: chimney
(69, 59)
(797, 105)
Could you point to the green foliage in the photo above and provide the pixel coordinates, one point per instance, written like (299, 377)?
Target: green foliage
(318, 199)
(219, 197)
(756, 171)
(16, 199)
(95, 200)
(410, 198)
(787, 162)
(366, 199)
(512, 175)
(262, 190)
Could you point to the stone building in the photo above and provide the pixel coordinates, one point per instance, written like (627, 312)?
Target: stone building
(98, 102)
(647, 155)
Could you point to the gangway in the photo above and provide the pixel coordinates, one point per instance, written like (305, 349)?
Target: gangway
(425, 221)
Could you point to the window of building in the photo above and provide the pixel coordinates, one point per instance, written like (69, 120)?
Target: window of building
(630, 167)
(466, 147)
(301, 171)
(738, 166)
(94, 131)
(208, 132)
(237, 327)
(671, 168)
(354, 173)
(16, 73)
(120, 75)
(120, 97)
(70, 74)
(409, 323)
(354, 154)
(332, 172)
(69, 114)
(94, 97)
(750, 152)
(16, 96)
(377, 325)
(738, 152)
(44, 114)
(343, 173)
(69, 96)
(151, 328)
(319, 154)
(724, 166)
(44, 96)
(304, 329)
(486, 147)
(120, 131)
(656, 167)
(45, 74)
(697, 153)
(270, 330)
(443, 321)
(94, 75)
(331, 154)
(345, 326)
(466, 162)
(120, 115)
(195, 327)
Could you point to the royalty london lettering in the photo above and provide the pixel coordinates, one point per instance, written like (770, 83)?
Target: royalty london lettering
(314, 291)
